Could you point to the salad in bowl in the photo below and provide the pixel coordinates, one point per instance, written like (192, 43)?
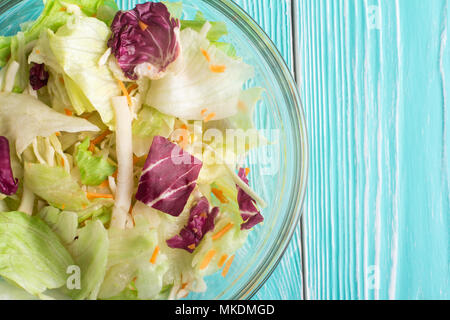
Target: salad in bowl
(123, 136)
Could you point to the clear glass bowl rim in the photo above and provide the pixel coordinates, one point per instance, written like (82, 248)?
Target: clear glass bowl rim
(286, 80)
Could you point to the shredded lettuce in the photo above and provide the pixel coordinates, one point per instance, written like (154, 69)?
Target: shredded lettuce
(31, 255)
(94, 170)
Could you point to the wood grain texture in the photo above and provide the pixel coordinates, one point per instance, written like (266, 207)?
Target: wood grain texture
(375, 85)
(275, 18)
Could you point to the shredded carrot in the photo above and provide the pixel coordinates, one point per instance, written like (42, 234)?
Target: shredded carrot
(92, 195)
(149, 67)
(184, 285)
(125, 92)
(104, 184)
(63, 9)
(68, 112)
(142, 25)
(63, 206)
(207, 259)
(192, 246)
(217, 68)
(83, 206)
(184, 138)
(94, 15)
(98, 140)
(222, 260)
(209, 117)
(61, 79)
(58, 134)
(132, 87)
(247, 171)
(38, 51)
(154, 255)
(184, 127)
(222, 232)
(115, 173)
(62, 162)
(227, 266)
(219, 195)
(204, 111)
(206, 55)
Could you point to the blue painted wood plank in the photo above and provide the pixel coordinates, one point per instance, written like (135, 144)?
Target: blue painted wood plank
(375, 85)
(275, 18)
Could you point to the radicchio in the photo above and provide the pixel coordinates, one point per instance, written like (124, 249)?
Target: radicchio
(145, 36)
(8, 185)
(201, 221)
(169, 176)
(38, 76)
(249, 212)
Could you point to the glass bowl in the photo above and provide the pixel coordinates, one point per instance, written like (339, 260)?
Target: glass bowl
(278, 171)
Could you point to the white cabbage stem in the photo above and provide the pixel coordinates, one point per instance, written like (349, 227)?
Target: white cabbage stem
(124, 150)
(27, 202)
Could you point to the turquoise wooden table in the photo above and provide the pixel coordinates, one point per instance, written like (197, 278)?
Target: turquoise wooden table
(374, 76)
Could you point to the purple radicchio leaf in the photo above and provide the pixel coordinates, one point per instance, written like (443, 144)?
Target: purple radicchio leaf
(146, 34)
(38, 76)
(201, 221)
(169, 176)
(8, 185)
(249, 213)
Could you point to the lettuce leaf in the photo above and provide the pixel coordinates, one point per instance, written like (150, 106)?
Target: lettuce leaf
(93, 170)
(56, 186)
(90, 86)
(31, 255)
(64, 224)
(150, 123)
(90, 252)
(53, 17)
(197, 86)
(41, 121)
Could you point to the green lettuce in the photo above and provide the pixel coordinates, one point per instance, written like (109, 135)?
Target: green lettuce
(93, 170)
(41, 121)
(31, 254)
(150, 123)
(90, 252)
(53, 17)
(64, 224)
(56, 186)
(90, 86)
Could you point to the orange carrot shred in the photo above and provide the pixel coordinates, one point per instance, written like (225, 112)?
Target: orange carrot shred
(58, 134)
(207, 259)
(92, 195)
(209, 117)
(63, 9)
(132, 87)
(217, 68)
(125, 92)
(115, 173)
(222, 260)
(247, 171)
(227, 266)
(219, 195)
(192, 246)
(204, 111)
(61, 79)
(222, 232)
(104, 184)
(142, 25)
(62, 162)
(68, 112)
(38, 51)
(154, 255)
(99, 139)
(63, 206)
(206, 55)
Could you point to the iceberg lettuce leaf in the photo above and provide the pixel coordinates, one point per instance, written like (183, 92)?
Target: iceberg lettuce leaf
(31, 255)
(41, 121)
